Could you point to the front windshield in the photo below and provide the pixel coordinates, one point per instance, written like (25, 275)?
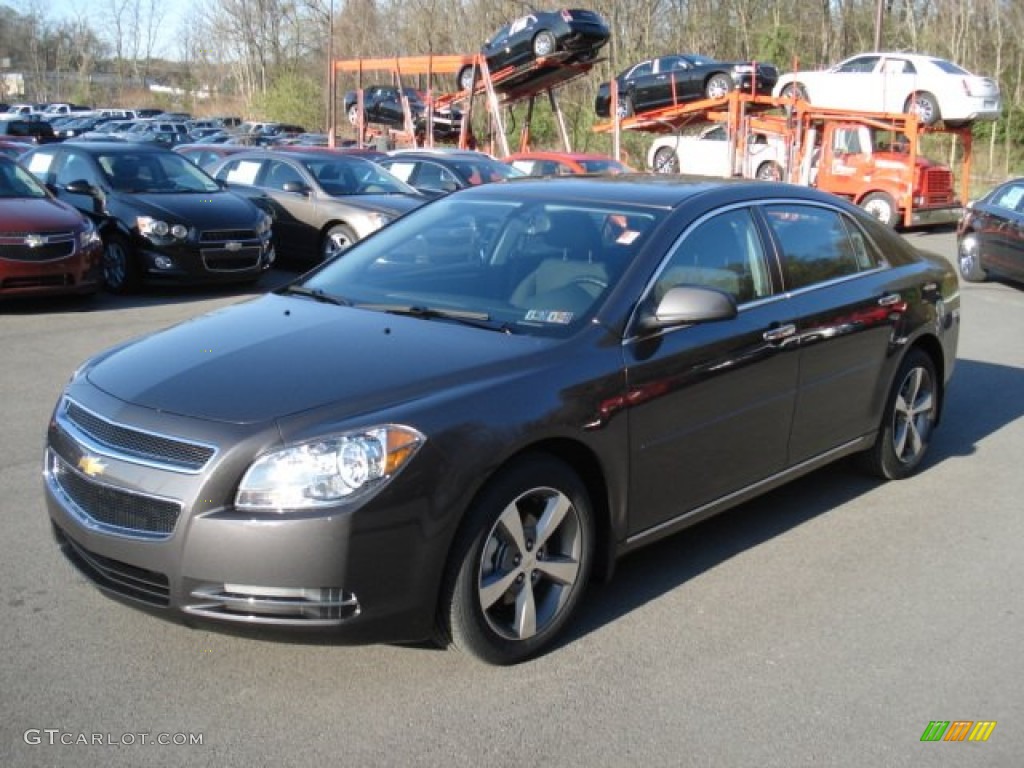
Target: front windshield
(154, 172)
(15, 181)
(523, 267)
(355, 176)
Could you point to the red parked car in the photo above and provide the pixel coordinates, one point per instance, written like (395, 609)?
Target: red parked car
(46, 246)
(565, 163)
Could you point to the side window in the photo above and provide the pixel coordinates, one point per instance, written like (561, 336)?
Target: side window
(641, 70)
(278, 174)
(723, 252)
(817, 245)
(1011, 198)
(74, 167)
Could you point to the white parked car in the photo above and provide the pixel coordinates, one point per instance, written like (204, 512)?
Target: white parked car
(936, 89)
(707, 154)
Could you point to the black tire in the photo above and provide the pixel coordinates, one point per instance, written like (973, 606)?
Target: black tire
(794, 90)
(520, 563)
(337, 239)
(625, 106)
(544, 44)
(925, 106)
(120, 265)
(464, 80)
(718, 86)
(353, 114)
(882, 207)
(769, 171)
(911, 411)
(666, 161)
(968, 256)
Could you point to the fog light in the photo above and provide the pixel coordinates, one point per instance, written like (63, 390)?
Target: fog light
(162, 262)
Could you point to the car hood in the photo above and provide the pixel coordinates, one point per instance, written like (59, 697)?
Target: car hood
(203, 210)
(281, 355)
(38, 215)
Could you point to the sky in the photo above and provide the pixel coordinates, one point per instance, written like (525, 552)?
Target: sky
(173, 10)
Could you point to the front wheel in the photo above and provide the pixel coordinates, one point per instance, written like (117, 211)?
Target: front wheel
(911, 412)
(625, 106)
(520, 563)
(120, 265)
(353, 114)
(882, 207)
(465, 78)
(338, 238)
(718, 86)
(666, 160)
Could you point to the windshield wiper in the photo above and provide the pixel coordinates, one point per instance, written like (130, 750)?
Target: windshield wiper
(464, 316)
(316, 294)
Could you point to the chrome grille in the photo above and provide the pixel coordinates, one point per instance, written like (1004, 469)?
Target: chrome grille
(128, 580)
(142, 445)
(36, 247)
(111, 506)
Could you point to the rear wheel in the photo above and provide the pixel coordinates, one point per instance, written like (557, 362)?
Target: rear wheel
(465, 78)
(718, 86)
(353, 114)
(520, 564)
(925, 106)
(907, 422)
(625, 106)
(544, 44)
(882, 207)
(120, 265)
(969, 260)
(666, 160)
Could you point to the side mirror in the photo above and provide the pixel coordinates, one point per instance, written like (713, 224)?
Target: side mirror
(295, 186)
(80, 187)
(689, 304)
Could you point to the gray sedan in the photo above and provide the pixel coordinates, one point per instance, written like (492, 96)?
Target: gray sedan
(322, 202)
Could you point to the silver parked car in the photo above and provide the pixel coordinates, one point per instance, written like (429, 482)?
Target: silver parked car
(322, 201)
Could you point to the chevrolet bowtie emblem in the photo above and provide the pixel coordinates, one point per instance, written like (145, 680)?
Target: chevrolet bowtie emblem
(35, 241)
(91, 466)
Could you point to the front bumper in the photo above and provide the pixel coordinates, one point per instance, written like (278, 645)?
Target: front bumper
(161, 533)
(935, 216)
(205, 262)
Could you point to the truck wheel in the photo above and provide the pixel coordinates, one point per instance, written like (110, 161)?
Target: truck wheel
(666, 161)
(969, 260)
(882, 207)
(925, 106)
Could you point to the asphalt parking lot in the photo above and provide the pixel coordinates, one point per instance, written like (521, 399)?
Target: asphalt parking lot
(825, 624)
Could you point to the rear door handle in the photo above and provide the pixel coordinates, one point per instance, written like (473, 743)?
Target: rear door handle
(780, 333)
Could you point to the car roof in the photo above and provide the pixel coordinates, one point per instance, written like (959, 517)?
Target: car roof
(643, 189)
(112, 147)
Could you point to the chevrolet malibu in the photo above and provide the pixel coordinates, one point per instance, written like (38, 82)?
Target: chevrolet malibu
(451, 430)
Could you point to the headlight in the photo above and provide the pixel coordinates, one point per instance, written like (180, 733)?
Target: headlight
(88, 236)
(338, 468)
(377, 220)
(150, 227)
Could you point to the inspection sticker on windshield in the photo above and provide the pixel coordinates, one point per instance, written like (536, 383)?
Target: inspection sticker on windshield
(549, 316)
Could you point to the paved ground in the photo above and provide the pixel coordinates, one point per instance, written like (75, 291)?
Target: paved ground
(824, 625)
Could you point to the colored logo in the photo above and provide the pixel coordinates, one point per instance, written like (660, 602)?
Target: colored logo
(958, 730)
(91, 466)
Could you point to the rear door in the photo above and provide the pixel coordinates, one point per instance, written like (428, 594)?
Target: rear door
(846, 307)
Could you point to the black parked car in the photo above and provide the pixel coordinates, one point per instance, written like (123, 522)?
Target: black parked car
(161, 217)
(450, 429)
(322, 202)
(990, 237)
(566, 36)
(36, 131)
(670, 80)
(383, 104)
(438, 172)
